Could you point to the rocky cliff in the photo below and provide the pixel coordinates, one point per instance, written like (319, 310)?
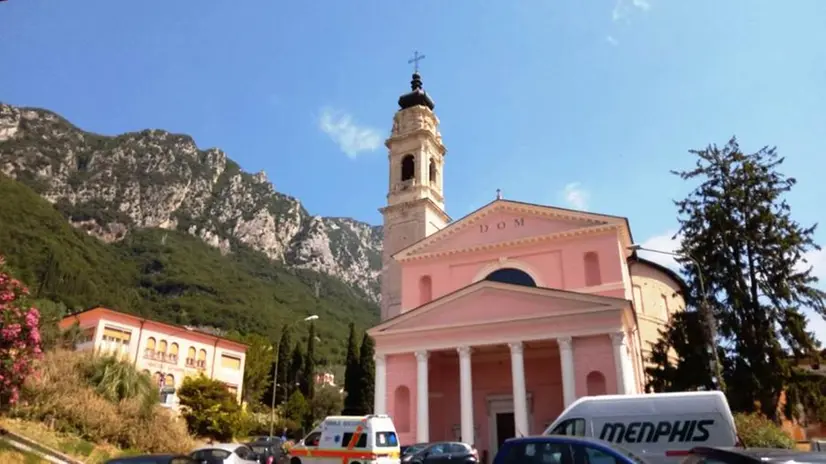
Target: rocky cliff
(154, 179)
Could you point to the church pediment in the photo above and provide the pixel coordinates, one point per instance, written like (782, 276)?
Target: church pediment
(509, 222)
(483, 303)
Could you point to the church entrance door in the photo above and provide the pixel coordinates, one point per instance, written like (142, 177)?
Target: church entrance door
(504, 427)
(501, 425)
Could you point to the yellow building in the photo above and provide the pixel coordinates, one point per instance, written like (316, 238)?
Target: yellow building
(167, 352)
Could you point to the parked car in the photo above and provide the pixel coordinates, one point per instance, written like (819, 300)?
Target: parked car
(153, 459)
(560, 449)
(414, 448)
(442, 453)
(731, 455)
(268, 450)
(224, 453)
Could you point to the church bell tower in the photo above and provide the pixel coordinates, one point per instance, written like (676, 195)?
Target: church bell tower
(415, 198)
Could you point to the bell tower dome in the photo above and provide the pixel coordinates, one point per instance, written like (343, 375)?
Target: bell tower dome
(415, 197)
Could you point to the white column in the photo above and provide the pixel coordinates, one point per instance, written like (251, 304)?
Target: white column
(566, 359)
(422, 400)
(520, 401)
(466, 394)
(380, 399)
(625, 383)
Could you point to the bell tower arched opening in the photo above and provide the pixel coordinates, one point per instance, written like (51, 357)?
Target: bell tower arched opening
(432, 173)
(408, 167)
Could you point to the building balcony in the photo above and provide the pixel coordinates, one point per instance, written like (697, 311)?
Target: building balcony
(160, 356)
(193, 363)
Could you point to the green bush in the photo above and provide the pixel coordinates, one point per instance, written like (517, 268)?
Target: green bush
(756, 431)
(211, 410)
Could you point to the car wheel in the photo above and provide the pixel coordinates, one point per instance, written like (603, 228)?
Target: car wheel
(295, 461)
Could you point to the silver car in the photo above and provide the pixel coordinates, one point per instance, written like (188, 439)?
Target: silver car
(224, 453)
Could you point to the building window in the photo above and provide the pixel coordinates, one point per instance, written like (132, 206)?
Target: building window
(87, 335)
(425, 290)
(513, 276)
(113, 335)
(638, 299)
(190, 357)
(200, 363)
(665, 313)
(169, 380)
(173, 353)
(149, 351)
(408, 168)
(592, 271)
(230, 362)
(432, 172)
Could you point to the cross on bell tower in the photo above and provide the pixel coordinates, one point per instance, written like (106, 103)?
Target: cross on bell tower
(415, 61)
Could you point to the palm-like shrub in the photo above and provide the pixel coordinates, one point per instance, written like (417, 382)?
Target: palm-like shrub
(116, 380)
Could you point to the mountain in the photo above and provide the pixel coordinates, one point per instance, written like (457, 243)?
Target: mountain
(170, 276)
(112, 187)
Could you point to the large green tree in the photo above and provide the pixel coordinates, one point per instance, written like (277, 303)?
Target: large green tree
(257, 368)
(352, 373)
(738, 227)
(367, 372)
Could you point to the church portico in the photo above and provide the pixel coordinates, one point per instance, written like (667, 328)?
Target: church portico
(486, 393)
(495, 360)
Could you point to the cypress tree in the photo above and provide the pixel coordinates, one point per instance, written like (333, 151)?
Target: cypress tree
(284, 354)
(296, 368)
(367, 372)
(352, 400)
(308, 382)
(738, 227)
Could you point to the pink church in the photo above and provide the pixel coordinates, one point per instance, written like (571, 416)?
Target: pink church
(493, 323)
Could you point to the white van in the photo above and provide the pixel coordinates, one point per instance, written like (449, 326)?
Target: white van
(349, 440)
(659, 427)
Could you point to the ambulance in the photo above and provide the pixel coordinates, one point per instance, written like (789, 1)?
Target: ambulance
(659, 427)
(349, 440)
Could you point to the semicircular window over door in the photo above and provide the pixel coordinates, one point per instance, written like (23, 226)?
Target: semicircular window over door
(509, 275)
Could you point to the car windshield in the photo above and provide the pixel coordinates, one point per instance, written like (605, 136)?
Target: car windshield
(412, 449)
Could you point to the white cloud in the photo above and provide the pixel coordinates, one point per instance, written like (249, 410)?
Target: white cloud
(576, 196)
(611, 40)
(351, 137)
(816, 259)
(623, 7)
(664, 242)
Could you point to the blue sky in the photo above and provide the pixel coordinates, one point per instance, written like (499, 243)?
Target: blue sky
(576, 103)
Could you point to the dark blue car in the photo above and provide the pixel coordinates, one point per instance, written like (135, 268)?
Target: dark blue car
(557, 449)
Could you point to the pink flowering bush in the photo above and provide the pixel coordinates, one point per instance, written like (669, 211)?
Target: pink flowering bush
(19, 337)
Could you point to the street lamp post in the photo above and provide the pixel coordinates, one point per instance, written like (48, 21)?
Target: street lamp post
(275, 370)
(708, 315)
